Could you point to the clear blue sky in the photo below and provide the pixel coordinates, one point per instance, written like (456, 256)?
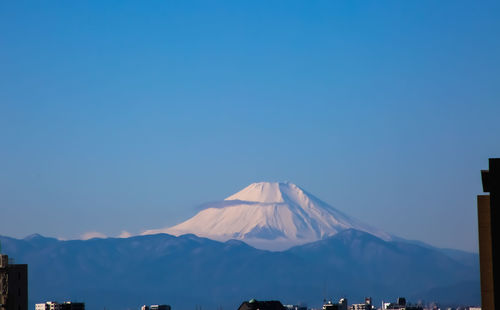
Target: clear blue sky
(127, 115)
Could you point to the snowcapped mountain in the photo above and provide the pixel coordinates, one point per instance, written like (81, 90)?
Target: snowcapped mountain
(271, 216)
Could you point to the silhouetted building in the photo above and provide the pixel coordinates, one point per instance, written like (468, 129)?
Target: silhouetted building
(261, 305)
(295, 307)
(13, 285)
(400, 305)
(488, 213)
(155, 307)
(67, 305)
(341, 305)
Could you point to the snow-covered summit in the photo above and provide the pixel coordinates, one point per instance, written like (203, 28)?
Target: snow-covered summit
(270, 192)
(261, 192)
(273, 216)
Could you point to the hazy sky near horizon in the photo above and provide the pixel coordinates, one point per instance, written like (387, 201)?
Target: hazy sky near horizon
(127, 115)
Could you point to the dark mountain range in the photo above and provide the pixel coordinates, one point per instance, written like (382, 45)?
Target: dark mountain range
(187, 271)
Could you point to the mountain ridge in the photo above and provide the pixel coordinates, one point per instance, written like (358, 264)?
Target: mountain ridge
(187, 270)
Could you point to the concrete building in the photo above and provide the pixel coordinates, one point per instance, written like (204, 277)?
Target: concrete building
(49, 305)
(488, 213)
(13, 285)
(341, 305)
(366, 306)
(400, 304)
(67, 305)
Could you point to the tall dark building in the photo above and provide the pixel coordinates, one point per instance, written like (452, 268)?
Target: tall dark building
(13, 285)
(488, 212)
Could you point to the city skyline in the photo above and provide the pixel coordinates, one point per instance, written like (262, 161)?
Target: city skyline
(125, 116)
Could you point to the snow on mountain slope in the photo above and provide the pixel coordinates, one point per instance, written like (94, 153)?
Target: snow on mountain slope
(271, 216)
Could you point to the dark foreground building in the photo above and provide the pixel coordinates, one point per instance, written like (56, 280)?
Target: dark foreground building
(261, 305)
(488, 212)
(13, 285)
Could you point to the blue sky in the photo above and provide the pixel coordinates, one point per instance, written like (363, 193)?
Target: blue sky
(123, 115)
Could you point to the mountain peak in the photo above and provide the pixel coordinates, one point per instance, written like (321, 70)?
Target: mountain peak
(269, 215)
(266, 192)
(34, 236)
